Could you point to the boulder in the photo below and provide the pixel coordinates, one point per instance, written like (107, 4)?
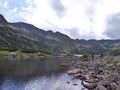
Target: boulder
(103, 83)
(90, 81)
(87, 77)
(118, 87)
(113, 86)
(101, 87)
(118, 64)
(89, 85)
(77, 75)
(91, 73)
(65, 64)
(101, 77)
(74, 71)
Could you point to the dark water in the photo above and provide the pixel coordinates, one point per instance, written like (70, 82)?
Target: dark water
(36, 74)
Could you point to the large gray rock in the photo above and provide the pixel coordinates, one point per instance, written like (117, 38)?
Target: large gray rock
(101, 77)
(77, 75)
(118, 87)
(113, 86)
(89, 85)
(118, 64)
(74, 71)
(101, 87)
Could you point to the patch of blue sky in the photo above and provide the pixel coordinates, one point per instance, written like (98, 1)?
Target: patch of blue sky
(15, 4)
(11, 9)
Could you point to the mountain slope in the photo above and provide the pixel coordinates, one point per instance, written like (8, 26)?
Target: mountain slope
(28, 38)
(97, 46)
(12, 39)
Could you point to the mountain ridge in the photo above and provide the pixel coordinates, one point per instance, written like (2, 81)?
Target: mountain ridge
(39, 38)
(3, 20)
(28, 38)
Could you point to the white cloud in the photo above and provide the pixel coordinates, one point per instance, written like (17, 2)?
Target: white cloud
(13, 10)
(4, 4)
(28, 0)
(104, 9)
(88, 16)
(113, 26)
(58, 7)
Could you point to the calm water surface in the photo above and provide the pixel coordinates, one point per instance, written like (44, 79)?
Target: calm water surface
(36, 74)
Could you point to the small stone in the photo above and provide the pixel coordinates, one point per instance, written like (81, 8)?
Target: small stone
(68, 82)
(75, 84)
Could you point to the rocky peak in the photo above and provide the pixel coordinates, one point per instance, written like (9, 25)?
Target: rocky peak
(3, 20)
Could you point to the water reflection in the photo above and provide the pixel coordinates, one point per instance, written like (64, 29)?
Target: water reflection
(53, 83)
(35, 74)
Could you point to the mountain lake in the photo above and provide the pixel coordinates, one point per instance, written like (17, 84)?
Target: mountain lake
(36, 74)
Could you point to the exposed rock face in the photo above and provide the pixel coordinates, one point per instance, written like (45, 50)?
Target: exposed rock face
(2, 20)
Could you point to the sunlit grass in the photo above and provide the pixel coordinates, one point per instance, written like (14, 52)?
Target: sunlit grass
(4, 53)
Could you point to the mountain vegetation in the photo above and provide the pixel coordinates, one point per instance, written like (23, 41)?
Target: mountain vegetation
(25, 37)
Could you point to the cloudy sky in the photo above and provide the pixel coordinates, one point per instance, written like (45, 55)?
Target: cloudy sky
(82, 19)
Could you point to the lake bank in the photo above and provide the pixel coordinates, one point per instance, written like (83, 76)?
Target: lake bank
(20, 53)
(99, 74)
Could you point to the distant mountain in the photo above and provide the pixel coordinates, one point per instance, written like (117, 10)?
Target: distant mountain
(28, 38)
(98, 46)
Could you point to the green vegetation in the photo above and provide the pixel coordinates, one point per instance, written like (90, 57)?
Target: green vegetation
(13, 39)
(4, 53)
(27, 38)
(115, 50)
(20, 53)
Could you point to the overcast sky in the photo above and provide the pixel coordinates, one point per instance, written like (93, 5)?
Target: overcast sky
(82, 19)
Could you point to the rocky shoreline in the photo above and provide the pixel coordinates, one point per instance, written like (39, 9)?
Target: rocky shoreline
(98, 74)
